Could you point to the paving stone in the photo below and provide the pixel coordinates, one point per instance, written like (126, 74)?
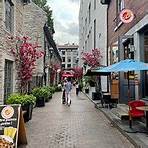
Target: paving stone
(78, 126)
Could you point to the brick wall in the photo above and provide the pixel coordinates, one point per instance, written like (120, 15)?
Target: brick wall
(139, 8)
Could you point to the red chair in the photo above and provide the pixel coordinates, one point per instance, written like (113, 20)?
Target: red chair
(133, 112)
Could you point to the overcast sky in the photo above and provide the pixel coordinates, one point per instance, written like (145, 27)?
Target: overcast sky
(65, 14)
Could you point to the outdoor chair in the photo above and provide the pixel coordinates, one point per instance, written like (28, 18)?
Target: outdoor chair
(133, 112)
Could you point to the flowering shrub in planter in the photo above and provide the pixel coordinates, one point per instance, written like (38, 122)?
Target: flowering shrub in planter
(40, 94)
(17, 98)
(26, 101)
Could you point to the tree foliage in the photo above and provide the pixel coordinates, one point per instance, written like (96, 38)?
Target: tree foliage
(43, 4)
(92, 58)
(78, 72)
(26, 56)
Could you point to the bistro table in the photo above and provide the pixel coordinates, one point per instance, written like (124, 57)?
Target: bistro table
(144, 108)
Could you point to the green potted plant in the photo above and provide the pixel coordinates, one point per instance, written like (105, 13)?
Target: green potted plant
(86, 88)
(40, 93)
(26, 101)
(49, 92)
(80, 85)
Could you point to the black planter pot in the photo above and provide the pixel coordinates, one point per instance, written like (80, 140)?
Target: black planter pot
(50, 97)
(28, 115)
(95, 96)
(86, 91)
(80, 88)
(40, 102)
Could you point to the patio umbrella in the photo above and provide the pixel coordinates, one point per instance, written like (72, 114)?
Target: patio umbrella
(126, 66)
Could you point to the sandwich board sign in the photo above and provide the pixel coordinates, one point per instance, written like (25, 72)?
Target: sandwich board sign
(12, 129)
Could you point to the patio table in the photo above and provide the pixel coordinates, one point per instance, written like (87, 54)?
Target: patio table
(144, 108)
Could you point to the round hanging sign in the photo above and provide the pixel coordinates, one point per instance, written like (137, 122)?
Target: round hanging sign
(126, 16)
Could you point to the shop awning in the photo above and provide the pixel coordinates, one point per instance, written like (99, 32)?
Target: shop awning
(94, 72)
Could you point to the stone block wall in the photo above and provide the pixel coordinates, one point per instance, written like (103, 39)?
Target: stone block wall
(27, 19)
(34, 20)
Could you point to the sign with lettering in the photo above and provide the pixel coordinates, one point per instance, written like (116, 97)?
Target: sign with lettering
(9, 125)
(126, 16)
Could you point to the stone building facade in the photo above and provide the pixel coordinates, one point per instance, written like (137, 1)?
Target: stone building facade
(69, 55)
(93, 30)
(18, 18)
(129, 41)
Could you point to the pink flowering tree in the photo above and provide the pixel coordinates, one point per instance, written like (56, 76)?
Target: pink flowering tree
(78, 72)
(92, 58)
(25, 56)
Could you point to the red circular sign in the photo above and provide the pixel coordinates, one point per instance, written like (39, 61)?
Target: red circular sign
(126, 16)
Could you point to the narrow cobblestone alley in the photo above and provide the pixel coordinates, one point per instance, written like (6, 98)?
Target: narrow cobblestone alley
(77, 126)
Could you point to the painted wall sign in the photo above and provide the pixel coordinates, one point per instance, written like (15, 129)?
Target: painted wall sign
(126, 16)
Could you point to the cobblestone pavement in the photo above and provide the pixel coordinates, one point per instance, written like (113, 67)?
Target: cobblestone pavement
(77, 126)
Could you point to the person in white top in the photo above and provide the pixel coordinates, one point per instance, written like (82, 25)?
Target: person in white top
(68, 88)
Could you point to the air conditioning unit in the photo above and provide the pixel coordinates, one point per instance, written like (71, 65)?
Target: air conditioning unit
(105, 2)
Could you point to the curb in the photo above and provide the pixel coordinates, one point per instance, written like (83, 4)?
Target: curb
(115, 124)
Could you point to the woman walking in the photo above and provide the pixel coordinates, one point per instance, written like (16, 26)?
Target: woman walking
(77, 88)
(68, 88)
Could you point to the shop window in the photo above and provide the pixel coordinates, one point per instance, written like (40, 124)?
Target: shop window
(120, 5)
(8, 78)
(9, 15)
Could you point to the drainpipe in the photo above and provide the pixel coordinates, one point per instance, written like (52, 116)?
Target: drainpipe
(108, 77)
(44, 60)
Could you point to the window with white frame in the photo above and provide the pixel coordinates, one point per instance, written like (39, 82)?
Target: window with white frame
(121, 5)
(9, 15)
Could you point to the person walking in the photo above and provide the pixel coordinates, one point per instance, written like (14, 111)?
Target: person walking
(68, 88)
(63, 95)
(77, 88)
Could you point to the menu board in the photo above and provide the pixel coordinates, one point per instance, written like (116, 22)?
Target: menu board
(9, 125)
